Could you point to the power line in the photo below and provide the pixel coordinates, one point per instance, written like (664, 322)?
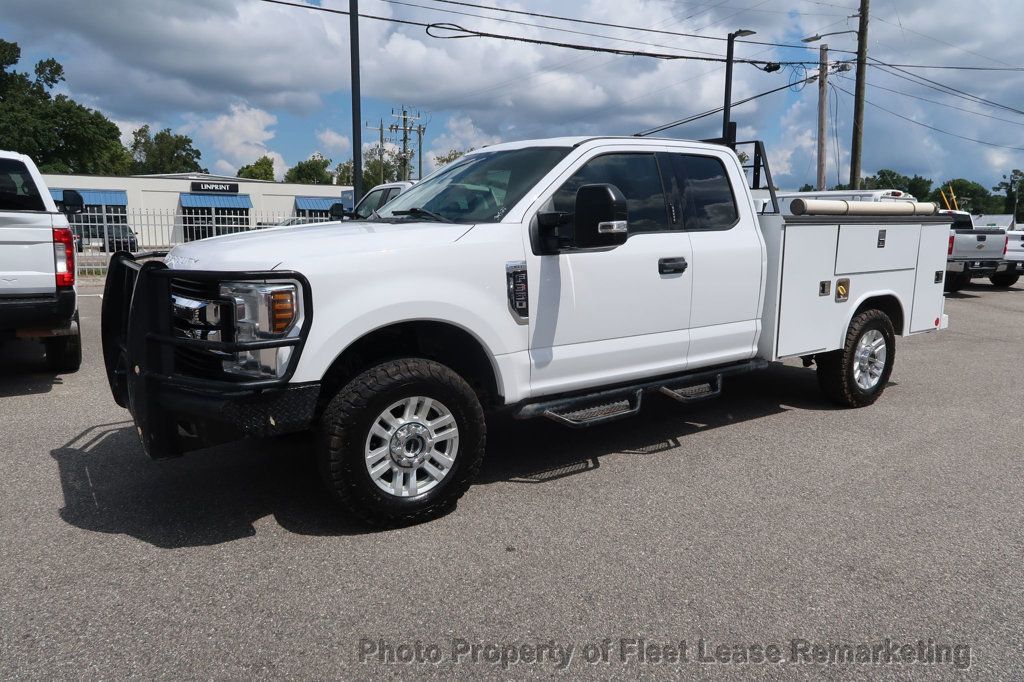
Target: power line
(931, 127)
(591, 22)
(716, 110)
(945, 104)
(942, 42)
(941, 87)
(471, 33)
(542, 26)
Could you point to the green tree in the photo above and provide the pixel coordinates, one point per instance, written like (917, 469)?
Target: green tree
(165, 152)
(380, 165)
(449, 156)
(970, 196)
(312, 171)
(260, 169)
(58, 133)
(1010, 187)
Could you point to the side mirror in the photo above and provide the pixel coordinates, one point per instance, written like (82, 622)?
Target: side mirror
(72, 202)
(600, 220)
(339, 212)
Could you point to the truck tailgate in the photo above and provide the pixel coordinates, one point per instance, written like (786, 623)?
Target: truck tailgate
(26, 254)
(978, 245)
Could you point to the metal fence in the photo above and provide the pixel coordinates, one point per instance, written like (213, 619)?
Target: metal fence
(101, 233)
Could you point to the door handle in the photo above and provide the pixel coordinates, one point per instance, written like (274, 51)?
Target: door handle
(672, 266)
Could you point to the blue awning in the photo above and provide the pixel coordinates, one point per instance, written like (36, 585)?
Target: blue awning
(189, 200)
(96, 197)
(318, 203)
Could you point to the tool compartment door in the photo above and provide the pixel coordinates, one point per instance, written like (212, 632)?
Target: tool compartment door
(929, 300)
(808, 317)
(876, 248)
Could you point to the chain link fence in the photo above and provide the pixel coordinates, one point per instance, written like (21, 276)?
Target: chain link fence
(101, 233)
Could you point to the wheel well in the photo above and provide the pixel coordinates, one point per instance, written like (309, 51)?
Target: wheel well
(439, 341)
(888, 304)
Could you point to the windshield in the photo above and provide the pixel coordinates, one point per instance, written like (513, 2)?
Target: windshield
(478, 188)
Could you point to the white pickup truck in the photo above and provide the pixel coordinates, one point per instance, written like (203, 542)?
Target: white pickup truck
(37, 264)
(972, 251)
(1012, 266)
(563, 278)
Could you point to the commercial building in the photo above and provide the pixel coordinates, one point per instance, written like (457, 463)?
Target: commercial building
(163, 210)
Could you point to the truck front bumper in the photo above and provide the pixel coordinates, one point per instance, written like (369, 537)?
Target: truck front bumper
(974, 268)
(175, 409)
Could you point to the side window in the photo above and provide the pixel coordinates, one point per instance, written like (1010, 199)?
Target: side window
(637, 177)
(17, 191)
(707, 196)
(370, 203)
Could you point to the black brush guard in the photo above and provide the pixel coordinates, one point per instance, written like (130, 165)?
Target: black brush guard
(175, 411)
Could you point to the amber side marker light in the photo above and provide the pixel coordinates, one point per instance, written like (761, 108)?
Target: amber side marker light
(282, 311)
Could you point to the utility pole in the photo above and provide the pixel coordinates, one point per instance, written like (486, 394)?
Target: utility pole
(858, 100)
(822, 113)
(405, 128)
(357, 114)
(380, 149)
(421, 130)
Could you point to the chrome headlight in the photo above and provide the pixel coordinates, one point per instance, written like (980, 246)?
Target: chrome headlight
(263, 312)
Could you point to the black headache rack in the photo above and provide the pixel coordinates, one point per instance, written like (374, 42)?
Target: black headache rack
(172, 383)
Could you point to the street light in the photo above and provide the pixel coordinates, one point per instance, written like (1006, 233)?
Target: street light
(818, 36)
(727, 109)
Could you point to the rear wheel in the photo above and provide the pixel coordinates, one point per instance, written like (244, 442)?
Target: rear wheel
(1004, 280)
(856, 374)
(401, 442)
(64, 353)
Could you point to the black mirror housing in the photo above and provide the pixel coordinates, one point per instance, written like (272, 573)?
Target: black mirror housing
(72, 202)
(338, 211)
(600, 220)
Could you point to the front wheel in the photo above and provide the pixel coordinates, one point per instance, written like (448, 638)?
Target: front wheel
(856, 374)
(401, 442)
(1004, 280)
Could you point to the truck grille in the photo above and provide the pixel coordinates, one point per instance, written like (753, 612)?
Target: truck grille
(199, 313)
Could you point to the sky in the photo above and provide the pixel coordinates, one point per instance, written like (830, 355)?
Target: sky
(245, 78)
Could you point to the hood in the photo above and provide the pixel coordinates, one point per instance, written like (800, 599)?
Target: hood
(290, 247)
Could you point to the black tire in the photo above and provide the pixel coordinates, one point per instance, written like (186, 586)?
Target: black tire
(955, 281)
(345, 427)
(836, 369)
(64, 353)
(1004, 280)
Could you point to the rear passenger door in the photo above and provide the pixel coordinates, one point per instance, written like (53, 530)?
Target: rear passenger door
(728, 262)
(615, 315)
(26, 234)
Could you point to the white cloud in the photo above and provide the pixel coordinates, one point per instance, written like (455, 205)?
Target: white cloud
(462, 134)
(333, 141)
(163, 59)
(240, 136)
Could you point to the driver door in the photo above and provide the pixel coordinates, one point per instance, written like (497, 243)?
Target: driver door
(619, 314)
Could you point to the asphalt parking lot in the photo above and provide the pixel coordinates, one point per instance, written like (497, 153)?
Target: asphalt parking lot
(765, 517)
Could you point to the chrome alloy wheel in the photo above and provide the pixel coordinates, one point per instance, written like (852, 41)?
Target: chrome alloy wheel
(411, 446)
(869, 359)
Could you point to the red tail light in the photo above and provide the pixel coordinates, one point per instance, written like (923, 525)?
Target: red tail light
(1006, 245)
(64, 256)
(951, 239)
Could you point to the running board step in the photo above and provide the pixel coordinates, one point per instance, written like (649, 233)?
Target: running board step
(580, 416)
(691, 393)
(618, 403)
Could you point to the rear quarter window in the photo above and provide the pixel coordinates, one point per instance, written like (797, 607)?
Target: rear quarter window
(17, 190)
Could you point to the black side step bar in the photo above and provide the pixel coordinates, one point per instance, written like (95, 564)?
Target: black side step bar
(601, 407)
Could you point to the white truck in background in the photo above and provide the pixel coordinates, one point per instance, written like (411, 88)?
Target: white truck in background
(38, 300)
(565, 278)
(973, 251)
